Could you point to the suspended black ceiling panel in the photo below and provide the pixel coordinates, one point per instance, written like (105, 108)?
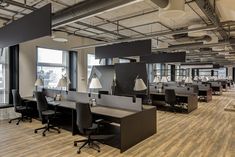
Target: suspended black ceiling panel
(34, 25)
(164, 57)
(127, 49)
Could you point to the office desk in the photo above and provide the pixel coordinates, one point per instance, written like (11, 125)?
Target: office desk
(205, 94)
(130, 130)
(190, 99)
(217, 90)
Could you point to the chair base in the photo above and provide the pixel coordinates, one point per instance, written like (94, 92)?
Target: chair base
(47, 129)
(90, 142)
(20, 119)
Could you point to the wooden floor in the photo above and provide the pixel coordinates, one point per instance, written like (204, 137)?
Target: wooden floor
(207, 132)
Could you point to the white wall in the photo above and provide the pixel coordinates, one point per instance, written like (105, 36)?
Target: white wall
(27, 61)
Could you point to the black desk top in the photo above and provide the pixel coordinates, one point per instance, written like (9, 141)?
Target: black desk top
(101, 110)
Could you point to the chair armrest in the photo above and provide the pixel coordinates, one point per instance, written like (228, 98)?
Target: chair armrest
(99, 120)
(25, 103)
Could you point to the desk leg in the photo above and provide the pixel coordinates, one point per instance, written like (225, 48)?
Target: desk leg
(137, 127)
(74, 122)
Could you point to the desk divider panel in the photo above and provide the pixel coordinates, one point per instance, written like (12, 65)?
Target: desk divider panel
(182, 90)
(120, 102)
(78, 97)
(216, 84)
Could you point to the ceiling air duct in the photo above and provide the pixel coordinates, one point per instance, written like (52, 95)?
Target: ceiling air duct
(198, 33)
(174, 9)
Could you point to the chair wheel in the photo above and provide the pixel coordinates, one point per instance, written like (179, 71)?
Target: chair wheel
(35, 131)
(98, 151)
(78, 151)
(17, 123)
(75, 144)
(9, 122)
(43, 135)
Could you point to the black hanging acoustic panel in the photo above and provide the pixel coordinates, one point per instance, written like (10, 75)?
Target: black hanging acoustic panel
(126, 49)
(126, 74)
(34, 25)
(164, 57)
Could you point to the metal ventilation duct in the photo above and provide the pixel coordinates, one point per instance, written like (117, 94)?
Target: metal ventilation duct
(185, 38)
(86, 9)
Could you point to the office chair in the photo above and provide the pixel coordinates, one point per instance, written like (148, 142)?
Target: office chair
(20, 106)
(45, 113)
(170, 98)
(86, 126)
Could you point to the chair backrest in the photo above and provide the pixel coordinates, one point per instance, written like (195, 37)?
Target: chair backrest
(170, 97)
(42, 104)
(84, 116)
(195, 88)
(17, 101)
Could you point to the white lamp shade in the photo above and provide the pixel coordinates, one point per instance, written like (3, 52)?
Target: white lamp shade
(139, 85)
(215, 78)
(164, 79)
(178, 79)
(62, 82)
(39, 82)
(196, 78)
(205, 79)
(156, 79)
(95, 83)
(188, 80)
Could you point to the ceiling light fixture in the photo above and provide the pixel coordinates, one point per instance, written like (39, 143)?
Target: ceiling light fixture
(60, 36)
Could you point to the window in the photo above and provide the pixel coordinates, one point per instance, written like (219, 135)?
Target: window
(4, 76)
(51, 65)
(91, 61)
(122, 60)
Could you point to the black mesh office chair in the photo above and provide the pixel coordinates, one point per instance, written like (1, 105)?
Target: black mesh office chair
(86, 126)
(170, 98)
(20, 106)
(45, 113)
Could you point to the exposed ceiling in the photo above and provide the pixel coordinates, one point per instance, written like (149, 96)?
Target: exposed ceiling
(140, 19)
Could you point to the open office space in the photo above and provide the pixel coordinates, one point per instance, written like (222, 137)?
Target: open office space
(115, 78)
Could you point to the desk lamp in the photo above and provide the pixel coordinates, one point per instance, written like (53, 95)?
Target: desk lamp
(196, 78)
(38, 83)
(63, 82)
(188, 80)
(164, 79)
(94, 84)
(139, 84)
(156, 79)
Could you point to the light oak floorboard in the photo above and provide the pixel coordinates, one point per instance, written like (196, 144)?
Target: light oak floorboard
(208, 131)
